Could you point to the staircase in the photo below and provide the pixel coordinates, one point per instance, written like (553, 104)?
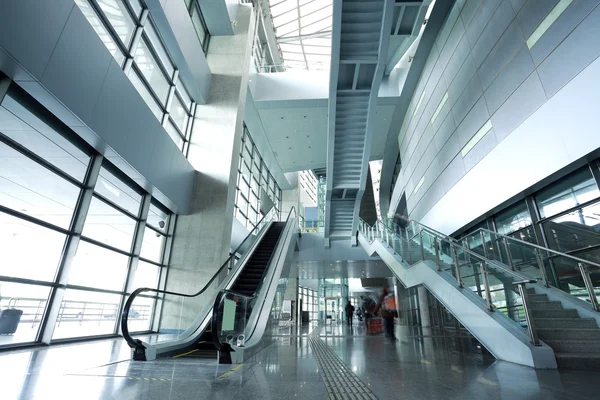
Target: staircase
(575, 339)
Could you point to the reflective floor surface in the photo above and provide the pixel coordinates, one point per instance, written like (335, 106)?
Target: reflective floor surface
(421, 365)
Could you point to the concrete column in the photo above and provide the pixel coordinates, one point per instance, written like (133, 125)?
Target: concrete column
(291, 293)
(202, 238)
(424, 307)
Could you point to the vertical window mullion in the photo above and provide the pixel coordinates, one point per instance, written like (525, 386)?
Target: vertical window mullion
(174, 79)
(164, 273)
(137, 36)
(56, 296)
(135, 257)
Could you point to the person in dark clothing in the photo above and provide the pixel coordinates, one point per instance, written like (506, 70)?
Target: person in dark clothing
(349, 313)
(387, 305)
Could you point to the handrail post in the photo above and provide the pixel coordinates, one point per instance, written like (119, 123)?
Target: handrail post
(422, 248)
(508, 255)
(530, 323)
(540, 263)
(408, 247)
(589, 285)
(437, 253)
(486, 284)
(483, 245)
(457, 267)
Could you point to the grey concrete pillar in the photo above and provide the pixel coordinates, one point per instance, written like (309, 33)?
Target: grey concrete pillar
(202, 238)
(424, 307)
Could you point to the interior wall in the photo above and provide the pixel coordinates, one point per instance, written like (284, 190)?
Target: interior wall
(480, 72)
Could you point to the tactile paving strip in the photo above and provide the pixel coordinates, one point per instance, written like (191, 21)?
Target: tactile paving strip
(340, 381)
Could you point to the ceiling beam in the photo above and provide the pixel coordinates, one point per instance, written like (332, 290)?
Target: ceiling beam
(285, 39)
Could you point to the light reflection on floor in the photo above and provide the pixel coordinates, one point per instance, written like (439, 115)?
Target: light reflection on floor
(421, 365)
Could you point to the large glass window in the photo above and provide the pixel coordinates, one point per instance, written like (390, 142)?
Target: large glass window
(256, 186)
(32, 189)
(199, 24)
(513, 219)
(108, 225)
(29, 299)
(117, 23)
(44, 187)
(86, 313)
(118, 192)
(101, 30)
(29, 250)
(97, 267)
(150, 69)
(571, 191)
(119, 18)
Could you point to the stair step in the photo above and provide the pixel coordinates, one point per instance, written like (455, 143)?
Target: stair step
(554, 314)
(538, 297)
(546, 305)
(566, 323)
(568, 333)
(574, 346)
(582, 361)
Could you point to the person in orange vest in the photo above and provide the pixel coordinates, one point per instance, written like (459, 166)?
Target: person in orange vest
(387, 305)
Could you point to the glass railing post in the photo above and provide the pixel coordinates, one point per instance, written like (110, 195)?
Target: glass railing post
(589, 285)
(422, 248)
(408, 247)
(457, 267)
(540, 263)
(486, 285)
(484, 245)
(525, 299)
(508, 255)
(437, 253)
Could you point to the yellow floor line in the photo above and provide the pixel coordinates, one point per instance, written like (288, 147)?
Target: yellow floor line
(231, 371)
(185, 354)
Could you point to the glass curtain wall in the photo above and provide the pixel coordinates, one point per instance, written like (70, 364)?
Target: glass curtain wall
(256, 187)
(309, 299)
(76, 235)
(130, 35)
(199, 23)
(564, 216)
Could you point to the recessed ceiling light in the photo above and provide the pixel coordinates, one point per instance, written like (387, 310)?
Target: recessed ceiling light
(281, 117)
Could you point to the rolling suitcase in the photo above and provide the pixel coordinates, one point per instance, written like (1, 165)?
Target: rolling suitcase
(9, 320)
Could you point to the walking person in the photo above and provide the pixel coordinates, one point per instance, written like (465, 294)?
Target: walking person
(387, 305)
(349, 313)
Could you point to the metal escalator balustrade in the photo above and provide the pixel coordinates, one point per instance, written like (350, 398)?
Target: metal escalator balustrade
(504, 260)
(186, 318)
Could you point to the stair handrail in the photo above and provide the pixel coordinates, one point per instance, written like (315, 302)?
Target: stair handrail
(471, 253)
(136, 344)
(549, 250)
(521, 279)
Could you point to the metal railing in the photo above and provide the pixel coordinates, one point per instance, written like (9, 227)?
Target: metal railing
(226, 269)
(414, 248)
(502, 245)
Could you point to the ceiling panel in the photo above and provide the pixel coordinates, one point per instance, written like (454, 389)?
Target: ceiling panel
(298, 136)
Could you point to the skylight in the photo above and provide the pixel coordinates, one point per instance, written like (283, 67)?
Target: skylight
(303, 31)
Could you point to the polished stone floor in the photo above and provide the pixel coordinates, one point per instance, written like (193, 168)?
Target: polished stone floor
(421, 365)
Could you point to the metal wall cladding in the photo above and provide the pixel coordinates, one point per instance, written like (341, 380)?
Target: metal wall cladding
(482, 61)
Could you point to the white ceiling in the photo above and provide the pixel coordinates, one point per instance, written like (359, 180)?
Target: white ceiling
(298, 135)
(340, 269)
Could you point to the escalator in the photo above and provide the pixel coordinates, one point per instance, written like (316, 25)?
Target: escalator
(260, 266)
(508, 293)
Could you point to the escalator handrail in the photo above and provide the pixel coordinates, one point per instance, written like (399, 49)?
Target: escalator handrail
(293, 210)
(215, 315)
(133, 343)
(556, 253)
